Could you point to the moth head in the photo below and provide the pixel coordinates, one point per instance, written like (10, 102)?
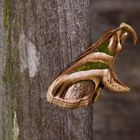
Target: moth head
(119, 36)
(128, 29)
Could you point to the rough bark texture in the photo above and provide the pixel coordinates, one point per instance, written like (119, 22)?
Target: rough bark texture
(43, 38)
(58, 30)
(6, 100)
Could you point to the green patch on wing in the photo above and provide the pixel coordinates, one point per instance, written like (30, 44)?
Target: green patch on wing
(104, 48)
(92, 65)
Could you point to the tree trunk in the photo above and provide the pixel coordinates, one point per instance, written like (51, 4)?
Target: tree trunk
(43, 37)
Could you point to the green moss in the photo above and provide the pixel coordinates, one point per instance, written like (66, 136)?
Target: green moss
(9, 73)
(9, 77)
(6, 14)
(11, 51)
(92, 65)
(6, 21)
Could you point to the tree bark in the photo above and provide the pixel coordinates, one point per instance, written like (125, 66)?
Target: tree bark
(43, 38)
(6, 99)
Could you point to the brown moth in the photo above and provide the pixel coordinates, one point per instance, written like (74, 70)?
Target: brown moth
(82, 83)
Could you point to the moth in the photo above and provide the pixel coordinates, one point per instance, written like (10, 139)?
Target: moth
(81, 84)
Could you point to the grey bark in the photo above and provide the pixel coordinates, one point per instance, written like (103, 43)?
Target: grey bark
(44, 37)
(6, 101)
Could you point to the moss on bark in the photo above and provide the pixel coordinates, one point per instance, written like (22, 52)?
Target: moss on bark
(10, 122)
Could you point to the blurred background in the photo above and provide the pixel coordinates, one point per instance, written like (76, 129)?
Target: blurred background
(117, 116)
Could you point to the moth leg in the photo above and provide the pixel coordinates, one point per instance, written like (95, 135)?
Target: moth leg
(97, 82)
(97, 93)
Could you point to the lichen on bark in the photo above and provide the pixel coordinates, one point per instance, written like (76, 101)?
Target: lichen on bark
(8, 77)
